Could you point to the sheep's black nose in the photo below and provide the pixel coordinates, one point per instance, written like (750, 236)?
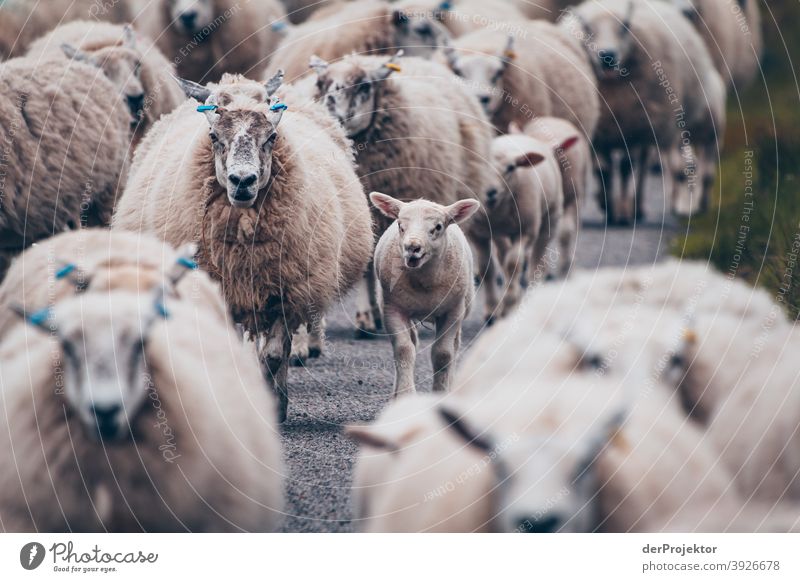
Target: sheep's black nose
(106, 419)
(544, 524)
(484, 99)
(491, 194)
(135, 103)
(608, 58)
(242, 181)
(413, 249)
(188, 19)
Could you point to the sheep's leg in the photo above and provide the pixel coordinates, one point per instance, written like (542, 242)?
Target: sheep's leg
(365, 319)
(640, 172)
(514, 265)
(402, 334)
(275, 356)
(316, 338)
(372, 289)
(487, 274)
(445, 348)
(568, 238)
(300, 348)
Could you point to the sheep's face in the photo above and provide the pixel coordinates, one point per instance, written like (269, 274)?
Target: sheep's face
(611, 41)
(350, 97)
(243, 141)
(418, 35)
(421, 225)
(105, 380)
(191, 16)
(484, 74)
(511, 155)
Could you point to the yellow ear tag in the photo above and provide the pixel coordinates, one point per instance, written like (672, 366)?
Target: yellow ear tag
(618, 440)
(511, 55)
(393, 67)
(690, 336)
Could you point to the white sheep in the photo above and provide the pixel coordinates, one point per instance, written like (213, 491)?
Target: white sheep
(277, 211)
(575, 163)
(423, 266)
(144, 78)
(524, 204)
(206, 38)
(418, 133)
(371, 27)
(659, 89)
(538, 70)
(140, 399)
(69, 135)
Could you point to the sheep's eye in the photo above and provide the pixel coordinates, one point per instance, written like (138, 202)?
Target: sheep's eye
(401, 227)
(137, 68)
(271, 139)
(424, 30)
(510, 168)
(438, 227)
(214, 138)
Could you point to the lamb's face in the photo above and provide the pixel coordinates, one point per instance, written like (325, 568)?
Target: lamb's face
(123, 66)
(511, 155)
(611, 41)
(350, 95)
(105, 380)
(191, 16)
(243, 141)
(484, 74)
(419, 35)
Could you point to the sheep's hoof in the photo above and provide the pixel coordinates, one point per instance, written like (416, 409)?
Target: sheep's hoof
(314, 352)
(489, 320)
(365, 326)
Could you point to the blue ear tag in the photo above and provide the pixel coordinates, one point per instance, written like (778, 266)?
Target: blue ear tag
(279, 107)
(278, 26)
(65, 270)
(446, 5)
(161, 310)
(187, 263)
(204, 108)
(39, 317)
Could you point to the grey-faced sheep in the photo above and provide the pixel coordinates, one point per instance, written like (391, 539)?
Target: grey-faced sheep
(206, 38)
(68, 135)
(21, 21)
(535, 439)
(575, 163)
(371, 27)
(537, 71)
(423, 265)
(144, 79)
(122, 395)
(418, 134)
(660, 90)
(278, 212)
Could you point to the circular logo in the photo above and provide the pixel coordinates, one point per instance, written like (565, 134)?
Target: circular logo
(31, 555)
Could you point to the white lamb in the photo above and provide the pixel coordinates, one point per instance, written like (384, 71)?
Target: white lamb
(139, 402)
(423, 265)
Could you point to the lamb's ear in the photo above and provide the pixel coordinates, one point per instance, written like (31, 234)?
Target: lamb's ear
(274, 83)
(399, 18)
(77, 54)
(528, 160)
(462, 210)
(319, 65)
(368, 436)
(514, 128)
(128, 37)
(193, 90)
(389, 207)
(388, 68)
(567, 143)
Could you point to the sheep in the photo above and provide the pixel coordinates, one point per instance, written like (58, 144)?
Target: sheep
(525, 203)
(465, 16)
(538, 9)
(298, 11)
(417, 133)
(535, 439)
(278, 212)
(68, 135)
(21, 22)
(537, 71)
(370, 26)
(206, 38)
(575, 163)
(732, 34)
(660, 90)
(122, 394)
(144, 79)
(423, 265)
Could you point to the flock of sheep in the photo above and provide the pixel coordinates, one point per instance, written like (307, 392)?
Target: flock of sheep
(181, 176)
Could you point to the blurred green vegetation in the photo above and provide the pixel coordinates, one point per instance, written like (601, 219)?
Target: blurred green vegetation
(755, 234)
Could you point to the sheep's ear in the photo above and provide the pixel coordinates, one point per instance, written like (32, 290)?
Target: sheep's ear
(389, 207)
(399, 18)
(626, 23)
(274, 83)
(128, 37)
(276, 110)
(367, 436)
(319, 65)
(508, 52)
(77, 54)
(388, 68)
(462, 210)
(529, 160)
(193, 90)
(41, 319)
(451, 56)
(567, 143)
(514, 128)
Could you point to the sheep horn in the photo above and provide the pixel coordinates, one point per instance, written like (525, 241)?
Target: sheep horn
(193, 90)
(274, 83)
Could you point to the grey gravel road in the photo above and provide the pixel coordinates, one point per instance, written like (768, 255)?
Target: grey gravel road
(352, 382)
